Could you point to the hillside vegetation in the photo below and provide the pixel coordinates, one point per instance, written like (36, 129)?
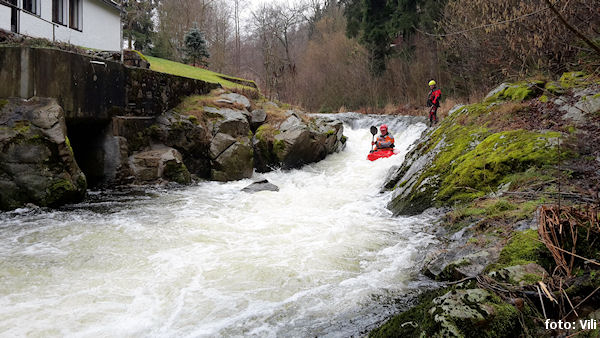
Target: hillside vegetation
(519, 173)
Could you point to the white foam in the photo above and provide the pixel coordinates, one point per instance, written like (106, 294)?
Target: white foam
(210, 260)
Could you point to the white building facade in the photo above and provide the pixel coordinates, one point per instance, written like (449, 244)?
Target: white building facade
(87, 23)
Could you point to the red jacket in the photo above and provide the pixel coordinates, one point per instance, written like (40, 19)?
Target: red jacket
(434, 97)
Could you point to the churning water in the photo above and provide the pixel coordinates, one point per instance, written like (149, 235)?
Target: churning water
(320, 257)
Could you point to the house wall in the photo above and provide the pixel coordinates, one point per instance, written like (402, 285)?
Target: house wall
(5, 18)
(100, 26)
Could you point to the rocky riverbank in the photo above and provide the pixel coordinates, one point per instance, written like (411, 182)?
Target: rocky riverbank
(220, 136)
(519, 174)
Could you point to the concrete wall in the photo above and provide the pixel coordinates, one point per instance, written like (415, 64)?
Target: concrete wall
(91, 89)
(100, 25)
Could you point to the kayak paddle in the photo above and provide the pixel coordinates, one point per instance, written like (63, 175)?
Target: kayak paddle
(373, 132)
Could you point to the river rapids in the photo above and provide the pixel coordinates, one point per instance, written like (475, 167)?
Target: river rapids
(321, 257)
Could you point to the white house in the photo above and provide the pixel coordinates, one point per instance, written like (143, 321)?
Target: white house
(87, 23)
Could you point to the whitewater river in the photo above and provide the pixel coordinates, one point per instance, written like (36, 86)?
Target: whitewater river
(321, 257)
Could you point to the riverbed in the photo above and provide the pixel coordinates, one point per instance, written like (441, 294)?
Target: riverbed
(321, 257)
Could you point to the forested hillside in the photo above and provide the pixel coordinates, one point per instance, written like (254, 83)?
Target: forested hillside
(329, 54)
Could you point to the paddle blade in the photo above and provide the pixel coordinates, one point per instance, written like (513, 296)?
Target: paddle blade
(373, 130)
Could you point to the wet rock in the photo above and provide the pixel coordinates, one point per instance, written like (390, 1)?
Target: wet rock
(472, 311)
(497, 90)
(588, 102)
(296, 142)
(461, 259)
(270, 104)
(37, 163)
(263, 185)
(234, 163)
(159, 166)
(257, 118)
(520, 274)
(220, 143)
(187, 136)
(237, 99)
(228, 121)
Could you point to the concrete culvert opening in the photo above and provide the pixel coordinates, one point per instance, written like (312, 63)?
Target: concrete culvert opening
(88, 141)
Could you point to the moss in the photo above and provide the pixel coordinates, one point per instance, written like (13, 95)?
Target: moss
(3, 103)
(500, 318)
(519, 91)
(343, 139)
(266, 132)
(330, 132)
(58, 191)
(543, 98)
(400, 325)
(523, 248)
(554, 88)
(22, 127)
(68, 144)
(193, 119)
(177, 172)
(573, 79)
(479, 171)
(531, 278)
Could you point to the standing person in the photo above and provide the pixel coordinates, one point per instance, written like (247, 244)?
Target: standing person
(385, 140)
(433, 101)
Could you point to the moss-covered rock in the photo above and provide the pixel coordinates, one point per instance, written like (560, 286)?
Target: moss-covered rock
(517, 91)
(522, 249)
(295, 142)
(37, 163)
(454, 313)
(462, 160)
(159, 166)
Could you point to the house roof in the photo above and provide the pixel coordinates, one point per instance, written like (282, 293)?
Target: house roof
(112, 4)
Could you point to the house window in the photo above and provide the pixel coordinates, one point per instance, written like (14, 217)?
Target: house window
(58, 8)
(75, 14)
(31, 6)
(14, 17)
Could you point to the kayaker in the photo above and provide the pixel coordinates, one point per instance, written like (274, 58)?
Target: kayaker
(385, 141)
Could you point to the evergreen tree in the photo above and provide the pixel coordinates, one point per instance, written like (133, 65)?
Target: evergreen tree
(378, 22)
(195, 46)
(138, 26)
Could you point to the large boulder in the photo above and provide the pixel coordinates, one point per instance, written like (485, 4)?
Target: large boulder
(227, 121)
(235, 162)
(236, 99)
(188, 136)
(257, 118)
(159, 166)
(296, 141)
(37, 164)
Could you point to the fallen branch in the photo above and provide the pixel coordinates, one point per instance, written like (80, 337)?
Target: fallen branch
(586, 298)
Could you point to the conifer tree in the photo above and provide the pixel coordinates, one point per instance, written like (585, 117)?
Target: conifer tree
(195, 46)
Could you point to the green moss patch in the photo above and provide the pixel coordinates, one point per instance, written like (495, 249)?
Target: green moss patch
(519, 91)
(478, 172)
(523, 248)
(573, 79)
(266, 133)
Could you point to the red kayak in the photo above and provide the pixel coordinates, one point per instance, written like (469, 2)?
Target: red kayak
(380, 154)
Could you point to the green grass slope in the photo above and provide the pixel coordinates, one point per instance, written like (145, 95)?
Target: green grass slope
(180, 69)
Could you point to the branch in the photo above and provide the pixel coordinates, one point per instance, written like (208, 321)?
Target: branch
(572, 29)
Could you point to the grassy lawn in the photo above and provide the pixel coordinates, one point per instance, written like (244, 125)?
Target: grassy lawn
(176, 68)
